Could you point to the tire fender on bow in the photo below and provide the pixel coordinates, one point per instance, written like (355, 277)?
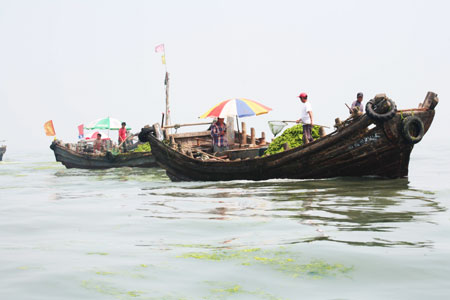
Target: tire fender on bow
(381, 109)
(413, 129)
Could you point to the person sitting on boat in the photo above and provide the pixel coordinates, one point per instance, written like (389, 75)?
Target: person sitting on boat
(98, 143)
(357, 104)
(306, 117)
(219, 136)
(123, 136)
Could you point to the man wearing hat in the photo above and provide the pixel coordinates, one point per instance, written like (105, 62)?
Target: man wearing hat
(306, 117)
(358, 103)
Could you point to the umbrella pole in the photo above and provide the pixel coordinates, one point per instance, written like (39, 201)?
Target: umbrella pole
(239, 133)
(109, 125)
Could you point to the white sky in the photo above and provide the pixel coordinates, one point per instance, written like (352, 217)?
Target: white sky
(76, 61)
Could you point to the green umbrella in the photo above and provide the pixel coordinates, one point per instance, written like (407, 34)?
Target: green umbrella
(106, 123)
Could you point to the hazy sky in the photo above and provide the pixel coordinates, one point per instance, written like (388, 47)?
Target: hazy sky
(75, 61)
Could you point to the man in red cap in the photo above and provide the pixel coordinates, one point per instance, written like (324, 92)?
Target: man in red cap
(306, 118)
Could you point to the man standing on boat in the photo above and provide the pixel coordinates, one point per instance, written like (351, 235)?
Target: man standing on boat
(357, 104)
(306, 118)
(219, 136)
(123, 136)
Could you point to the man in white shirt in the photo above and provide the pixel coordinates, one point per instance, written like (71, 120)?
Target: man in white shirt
(358, 103)
(306, 117)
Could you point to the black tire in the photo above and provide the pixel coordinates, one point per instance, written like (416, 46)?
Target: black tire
(143, 135)
(413, 129)
(372, 107)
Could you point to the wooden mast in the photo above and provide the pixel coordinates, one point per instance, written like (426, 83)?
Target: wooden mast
(162, 48)
(166, 82)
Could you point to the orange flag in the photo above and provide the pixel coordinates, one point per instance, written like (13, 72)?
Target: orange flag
(49, 129)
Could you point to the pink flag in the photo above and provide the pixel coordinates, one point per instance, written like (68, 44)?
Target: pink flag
(159, 48)
(81, 131)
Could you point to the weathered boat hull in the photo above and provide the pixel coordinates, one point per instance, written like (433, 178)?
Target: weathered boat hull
(73, 159)
(2, 151)
(354, 150)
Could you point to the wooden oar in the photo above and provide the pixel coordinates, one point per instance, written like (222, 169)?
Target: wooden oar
(209, 155)
(349, 109)
(133, 135)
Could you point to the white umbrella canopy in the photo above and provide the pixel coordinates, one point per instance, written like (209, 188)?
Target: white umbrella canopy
(105, 123)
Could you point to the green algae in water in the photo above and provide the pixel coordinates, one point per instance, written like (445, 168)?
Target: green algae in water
(104, 273)
(46, 168)
(24, 268)
(278, 260)
(104, 288)
(225, 290)
(97, 253)
(242, 254)
(205, 246)
(134, 274)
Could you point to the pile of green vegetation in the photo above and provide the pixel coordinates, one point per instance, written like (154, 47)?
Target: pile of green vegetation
(145, 147)
(293, 136)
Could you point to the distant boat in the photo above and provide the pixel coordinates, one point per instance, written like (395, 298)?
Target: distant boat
(82, 160)
(2, 151)
(378, 143)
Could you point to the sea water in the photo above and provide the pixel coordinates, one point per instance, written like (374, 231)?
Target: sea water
(132, 234)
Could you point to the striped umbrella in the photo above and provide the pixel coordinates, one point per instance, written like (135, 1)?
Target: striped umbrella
(105, 123)
(239, 107)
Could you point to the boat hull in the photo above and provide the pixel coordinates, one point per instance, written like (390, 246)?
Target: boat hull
(2, 151)
(361, 148)
(73, 159)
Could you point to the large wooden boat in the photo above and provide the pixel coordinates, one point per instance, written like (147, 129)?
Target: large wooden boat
(81, 160)
(2, 151)
(378, 143)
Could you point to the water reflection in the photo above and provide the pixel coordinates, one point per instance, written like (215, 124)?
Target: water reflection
(119, 174)
(336, 209)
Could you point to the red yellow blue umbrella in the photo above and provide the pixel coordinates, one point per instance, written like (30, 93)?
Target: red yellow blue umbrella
(239, 107)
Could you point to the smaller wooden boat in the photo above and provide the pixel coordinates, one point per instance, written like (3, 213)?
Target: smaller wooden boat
(378, 143)
(2, 151)
(83, 160)
(83, 157)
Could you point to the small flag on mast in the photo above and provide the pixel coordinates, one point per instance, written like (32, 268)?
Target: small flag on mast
(163, 58)
(81, 131)
(49, 129)
(160, 48)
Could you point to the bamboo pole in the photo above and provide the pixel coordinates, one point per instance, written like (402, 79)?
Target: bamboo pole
(166, 81)
(252, 136)
(304, 123)
(263, 139)
(244, 133)
(188, 124)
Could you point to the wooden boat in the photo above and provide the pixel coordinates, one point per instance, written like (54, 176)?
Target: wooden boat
(378, 143)
(2, 151)
(72, 157)
(75, 159)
